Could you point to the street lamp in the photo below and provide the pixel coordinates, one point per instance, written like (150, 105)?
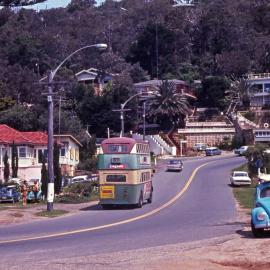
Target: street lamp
(52, 73)
(122, 110)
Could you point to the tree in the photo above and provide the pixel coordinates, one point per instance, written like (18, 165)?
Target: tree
(167, 107)
(56, 168)
(6, 167)
(238, 94)
(212, 93)
(44, 177)
(14, 161)
(16, 3)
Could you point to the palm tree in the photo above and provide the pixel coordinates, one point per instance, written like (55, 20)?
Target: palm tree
(238, 94)
(167, 106)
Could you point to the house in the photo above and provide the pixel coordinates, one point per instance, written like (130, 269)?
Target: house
(32, 146)
(95, 77)
(151, 86)
(260, 89)
(210, 133)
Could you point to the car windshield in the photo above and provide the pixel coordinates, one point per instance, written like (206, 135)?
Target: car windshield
(240, 174)
(265, 192)
(175, 162)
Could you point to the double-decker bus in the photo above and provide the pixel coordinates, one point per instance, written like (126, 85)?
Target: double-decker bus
(125, 174)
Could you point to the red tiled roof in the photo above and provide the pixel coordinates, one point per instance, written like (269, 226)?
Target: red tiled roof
(9, 135)
(36, 137)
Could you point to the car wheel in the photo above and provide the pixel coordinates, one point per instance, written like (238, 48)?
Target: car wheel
(140, 203)
(257, 233)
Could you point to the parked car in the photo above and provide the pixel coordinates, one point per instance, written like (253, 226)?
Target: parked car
(260, 218)
(84, 178)
(240, 178)
(9, 194)
(212, 151)
(241, 151)
(175, 165)
(199, 146)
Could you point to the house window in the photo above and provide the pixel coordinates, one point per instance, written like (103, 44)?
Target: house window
(41, 154)
(22, 152)
(62, 152)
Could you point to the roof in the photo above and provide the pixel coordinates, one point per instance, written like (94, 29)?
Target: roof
(9, 135)
(159, 82)
(120, 140)
(69, 136)
(36, 137)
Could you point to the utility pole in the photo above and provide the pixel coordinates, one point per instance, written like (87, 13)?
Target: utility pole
(50, 193)
(144, 121)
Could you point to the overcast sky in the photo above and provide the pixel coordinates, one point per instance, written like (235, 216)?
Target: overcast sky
(56, 4)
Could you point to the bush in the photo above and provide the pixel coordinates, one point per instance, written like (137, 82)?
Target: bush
(81, 189)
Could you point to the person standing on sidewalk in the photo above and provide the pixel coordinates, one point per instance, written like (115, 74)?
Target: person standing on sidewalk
(36, 190)
(24, 190)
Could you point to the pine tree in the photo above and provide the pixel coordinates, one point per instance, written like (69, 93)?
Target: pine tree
(6, 167)
(14, 161)
(57, 169)
(44, 177)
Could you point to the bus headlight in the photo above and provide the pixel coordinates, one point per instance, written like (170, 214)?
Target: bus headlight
(261, 216)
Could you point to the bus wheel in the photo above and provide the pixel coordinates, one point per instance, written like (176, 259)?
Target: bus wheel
(140, 203)
(150, 199)
(106, 206)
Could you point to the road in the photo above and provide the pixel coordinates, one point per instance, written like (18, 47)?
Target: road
(206, 209)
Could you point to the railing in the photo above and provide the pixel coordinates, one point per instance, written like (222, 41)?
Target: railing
(168, 149)
(258, 76)
(242, 118)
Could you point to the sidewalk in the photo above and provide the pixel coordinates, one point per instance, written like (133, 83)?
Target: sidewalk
(18, 214)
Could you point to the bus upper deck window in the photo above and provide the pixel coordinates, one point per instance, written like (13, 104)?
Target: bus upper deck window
(117, 148)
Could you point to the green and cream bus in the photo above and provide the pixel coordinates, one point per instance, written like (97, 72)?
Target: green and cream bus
(125, 174)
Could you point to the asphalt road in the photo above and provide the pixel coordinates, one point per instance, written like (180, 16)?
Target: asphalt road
(206, 209)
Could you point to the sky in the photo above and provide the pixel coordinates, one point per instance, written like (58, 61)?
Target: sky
(56, 3)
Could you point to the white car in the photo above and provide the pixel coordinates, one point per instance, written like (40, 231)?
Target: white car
(241, 151)
(240, 178)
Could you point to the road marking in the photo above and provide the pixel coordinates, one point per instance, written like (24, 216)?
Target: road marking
(170, 202)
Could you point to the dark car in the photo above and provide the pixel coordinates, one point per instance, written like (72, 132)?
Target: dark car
(9, 194)
(175, 165)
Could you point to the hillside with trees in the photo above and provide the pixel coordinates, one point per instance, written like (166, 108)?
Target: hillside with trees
(211, 42)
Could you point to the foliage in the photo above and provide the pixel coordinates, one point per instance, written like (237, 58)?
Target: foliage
(14, 161)
(167, 106)
(14, 3)
(6, 167)
(250, 116)
(237, 141)
(258, 152)
(57, 168)
(44, 177)
(52, 214)
(213, 92)
(88, 164)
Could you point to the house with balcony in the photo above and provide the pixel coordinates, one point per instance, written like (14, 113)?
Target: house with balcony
(32, 147)
(260, 89)
(95, 77)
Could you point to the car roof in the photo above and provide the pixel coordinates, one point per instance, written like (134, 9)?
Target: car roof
(239, 172)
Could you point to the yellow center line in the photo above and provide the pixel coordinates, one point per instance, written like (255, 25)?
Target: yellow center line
(170, 202)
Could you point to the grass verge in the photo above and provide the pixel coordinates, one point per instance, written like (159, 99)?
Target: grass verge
(245, 195)
(52, 214)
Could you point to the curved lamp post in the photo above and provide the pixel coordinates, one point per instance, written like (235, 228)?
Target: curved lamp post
(52, 73)
(122, 110)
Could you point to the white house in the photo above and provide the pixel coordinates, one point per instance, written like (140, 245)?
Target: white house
(31, 147)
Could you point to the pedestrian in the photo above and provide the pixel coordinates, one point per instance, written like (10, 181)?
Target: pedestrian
(24, 190)
(36, 190)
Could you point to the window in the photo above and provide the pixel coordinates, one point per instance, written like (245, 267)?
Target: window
(116, 178)
(42, 154)
(115, 148)
(22, 152)
(62, 152)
